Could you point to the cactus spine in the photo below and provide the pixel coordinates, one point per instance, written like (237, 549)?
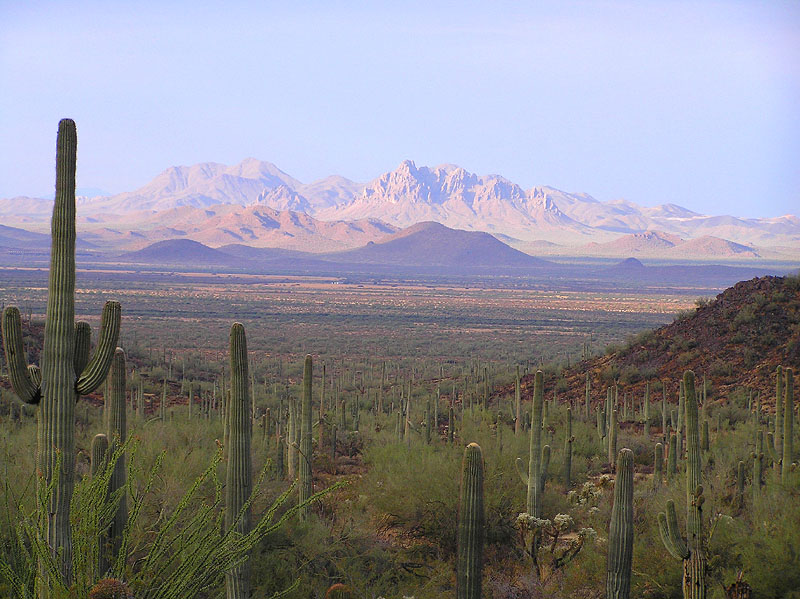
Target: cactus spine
(305, 489)
(691, 550)
(238, 478)
(620, 535)
(59, 383)
(470, 525)
(788, 422)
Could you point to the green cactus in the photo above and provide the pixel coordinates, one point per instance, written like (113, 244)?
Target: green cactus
(291, 442)
(98, 461)
(704, 442)
(658, 465)
(568, 451)
(517, 405)
(305, 489)
(451, 425)
(620, 534)
(758, 464)
(239, 472)
(612, 439)
(692, 550)
(788, 423)
(58, 384)
(118, 433)
(588, 396)
(778, 435)
(280, 465)
(647, 410)
(740, 485)
(538, 456)
(471, 532)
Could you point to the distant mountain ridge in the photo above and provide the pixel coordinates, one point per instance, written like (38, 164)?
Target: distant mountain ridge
(447, 194)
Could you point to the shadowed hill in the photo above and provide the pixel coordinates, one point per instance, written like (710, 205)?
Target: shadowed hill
(736, 340)
(182, 252)
(433, 244)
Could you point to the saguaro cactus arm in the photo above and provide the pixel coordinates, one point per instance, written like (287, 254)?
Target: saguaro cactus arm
(95, 372)
(18, 371)
(670, 535)
(522, 470)
(83, 339)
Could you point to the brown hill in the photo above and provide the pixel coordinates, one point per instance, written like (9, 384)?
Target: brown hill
(736, 340)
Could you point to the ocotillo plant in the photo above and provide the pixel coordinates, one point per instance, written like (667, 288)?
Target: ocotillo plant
(788, 423)
(692, 549)
(471, 532)
(620, 534)
(62, 378)
(118, 433)
(305, 488)
(239, 472)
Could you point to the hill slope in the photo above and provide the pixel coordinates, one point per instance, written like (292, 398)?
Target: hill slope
(432, 244)
(736, 341)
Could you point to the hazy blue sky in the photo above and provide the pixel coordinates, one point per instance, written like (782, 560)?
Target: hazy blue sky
(696, 102)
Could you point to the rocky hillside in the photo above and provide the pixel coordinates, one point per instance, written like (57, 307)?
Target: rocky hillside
(736, 340)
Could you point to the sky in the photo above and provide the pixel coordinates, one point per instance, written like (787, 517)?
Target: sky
(695, 103)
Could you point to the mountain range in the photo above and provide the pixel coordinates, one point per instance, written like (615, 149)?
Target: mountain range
(257, 204)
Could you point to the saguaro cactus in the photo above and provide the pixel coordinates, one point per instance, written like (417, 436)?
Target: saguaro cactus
(118, 433)
(658, 465)
(778, 436)
(470, 525)
(305, 489)
(620, 535)
(788, 423)
(536, 471)
(66, 372)
(692, 549)
(239, 473)
(568, 451)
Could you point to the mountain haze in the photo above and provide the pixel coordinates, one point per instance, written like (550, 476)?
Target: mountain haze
(256, 203)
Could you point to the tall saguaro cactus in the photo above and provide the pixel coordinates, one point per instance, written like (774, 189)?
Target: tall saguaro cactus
(66, 372)
(118, 433)
(305, 489)
(788, 424)
(239, 473)
(692, 549)
(538, 456)
(470, 525)
(620, 535)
